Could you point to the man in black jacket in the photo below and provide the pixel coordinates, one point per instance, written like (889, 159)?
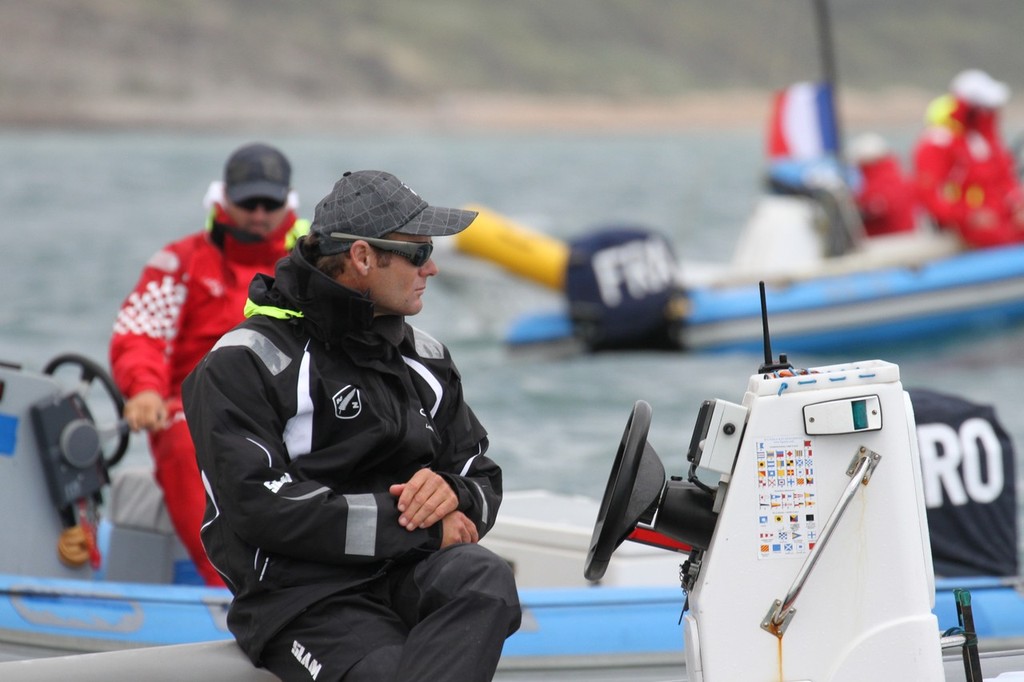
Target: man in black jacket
(347, 482)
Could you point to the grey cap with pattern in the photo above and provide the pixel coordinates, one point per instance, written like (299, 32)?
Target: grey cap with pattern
(374, 203)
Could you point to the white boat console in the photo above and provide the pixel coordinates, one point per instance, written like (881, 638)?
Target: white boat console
(802, 512)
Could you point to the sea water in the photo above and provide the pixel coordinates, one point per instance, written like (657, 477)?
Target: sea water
(81, 213)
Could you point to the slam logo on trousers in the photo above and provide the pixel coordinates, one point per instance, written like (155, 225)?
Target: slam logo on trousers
(304, 657)
(347, 403)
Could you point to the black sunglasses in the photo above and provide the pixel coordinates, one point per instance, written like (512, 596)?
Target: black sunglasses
(269, 205)
(418, 253)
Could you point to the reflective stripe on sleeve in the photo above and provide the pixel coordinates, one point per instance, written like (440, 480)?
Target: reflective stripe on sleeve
(361, 528)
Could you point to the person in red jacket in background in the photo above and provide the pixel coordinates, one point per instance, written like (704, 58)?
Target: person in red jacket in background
(886, 197)
(190, 293)
(964, 173)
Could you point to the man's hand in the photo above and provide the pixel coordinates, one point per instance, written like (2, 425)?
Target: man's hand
(424, 499)
(146, 410)
(458, 529)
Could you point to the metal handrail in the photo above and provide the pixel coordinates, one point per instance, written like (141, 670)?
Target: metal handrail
(782, 611)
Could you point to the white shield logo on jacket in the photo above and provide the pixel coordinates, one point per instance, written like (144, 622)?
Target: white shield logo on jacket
(347, 403)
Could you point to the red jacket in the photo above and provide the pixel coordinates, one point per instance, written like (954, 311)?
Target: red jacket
(190, 293)
(962, 168)
(886, 199)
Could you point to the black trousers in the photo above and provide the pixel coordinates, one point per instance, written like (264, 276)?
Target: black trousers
(444, 618)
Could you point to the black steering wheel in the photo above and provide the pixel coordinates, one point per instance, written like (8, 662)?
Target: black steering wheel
(89, 374)
(620, 509)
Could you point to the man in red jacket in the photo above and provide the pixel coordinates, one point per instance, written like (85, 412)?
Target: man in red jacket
(964, 173)
(190, 293)
(885, 198)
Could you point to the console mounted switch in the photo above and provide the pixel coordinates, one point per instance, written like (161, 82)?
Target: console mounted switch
(850, 415)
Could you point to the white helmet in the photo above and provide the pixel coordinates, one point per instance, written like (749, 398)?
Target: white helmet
(980, 89)
(866, 148)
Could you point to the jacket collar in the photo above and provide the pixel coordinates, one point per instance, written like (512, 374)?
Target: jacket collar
(331, 312)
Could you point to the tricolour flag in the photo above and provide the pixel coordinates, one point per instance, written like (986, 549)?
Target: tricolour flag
(803, 123)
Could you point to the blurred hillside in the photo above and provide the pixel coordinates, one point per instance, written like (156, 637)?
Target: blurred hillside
(453, 63)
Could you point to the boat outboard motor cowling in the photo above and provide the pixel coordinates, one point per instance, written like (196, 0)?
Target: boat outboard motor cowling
(623, 290)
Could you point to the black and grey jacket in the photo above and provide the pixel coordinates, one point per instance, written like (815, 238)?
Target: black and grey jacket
(302, 417)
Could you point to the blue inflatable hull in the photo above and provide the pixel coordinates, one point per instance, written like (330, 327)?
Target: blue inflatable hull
(561, 627)
(953, 296)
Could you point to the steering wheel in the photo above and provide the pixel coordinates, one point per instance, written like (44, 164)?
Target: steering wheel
(621, 506)
(89, 374)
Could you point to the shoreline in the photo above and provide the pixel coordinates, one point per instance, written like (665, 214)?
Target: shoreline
(465, 112)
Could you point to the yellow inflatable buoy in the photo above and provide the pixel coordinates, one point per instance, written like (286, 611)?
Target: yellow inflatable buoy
(526, 253)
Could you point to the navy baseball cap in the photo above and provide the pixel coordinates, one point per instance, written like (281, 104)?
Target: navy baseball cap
(257, 170)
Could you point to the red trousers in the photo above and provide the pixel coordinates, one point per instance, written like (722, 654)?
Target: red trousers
(177, 473)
